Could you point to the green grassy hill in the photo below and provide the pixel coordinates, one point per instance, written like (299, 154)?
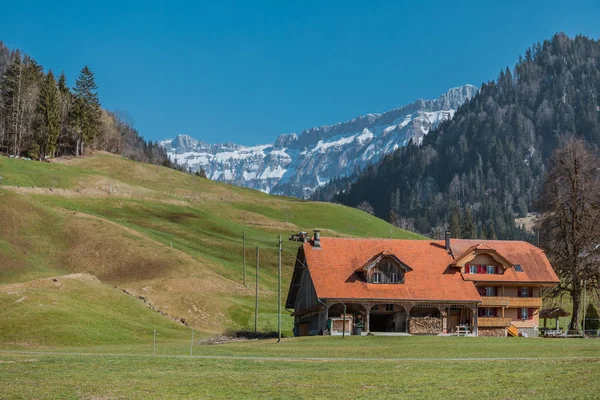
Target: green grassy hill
(172, 237)
(75, 310)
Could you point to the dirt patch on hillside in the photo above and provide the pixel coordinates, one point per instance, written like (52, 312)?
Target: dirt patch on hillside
(55, 282)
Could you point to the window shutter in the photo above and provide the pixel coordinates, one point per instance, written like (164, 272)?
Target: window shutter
(518, 292)
(479, 268)
(495, 312)
(530, 313)
(530, 292)
(496, 269)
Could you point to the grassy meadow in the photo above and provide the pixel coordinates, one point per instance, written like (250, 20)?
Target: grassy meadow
(315, 367)
(173, 238)
(91, 248)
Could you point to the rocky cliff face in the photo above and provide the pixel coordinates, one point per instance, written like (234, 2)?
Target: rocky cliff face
(295, 165)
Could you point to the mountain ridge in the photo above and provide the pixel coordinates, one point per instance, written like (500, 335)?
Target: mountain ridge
(297, 165)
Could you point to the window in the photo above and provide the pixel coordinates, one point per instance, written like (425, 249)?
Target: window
(518, 268)
(489, 291)
(491, 269)
(472, 269)
(524, 292)
(524, 313)
(375, 308)
(489, 312)
(376, 276)
(389, 307)
(394, 277)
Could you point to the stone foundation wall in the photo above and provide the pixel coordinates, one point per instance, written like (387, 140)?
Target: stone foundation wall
(489, 332)
(425, 325)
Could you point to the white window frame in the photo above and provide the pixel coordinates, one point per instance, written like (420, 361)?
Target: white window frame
(472, 269)
(489, 291)
(526, 311)
(394, 277)
(377, 276)
(491, 268)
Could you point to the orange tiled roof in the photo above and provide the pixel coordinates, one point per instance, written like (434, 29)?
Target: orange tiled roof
(536, 267)
(333, 270)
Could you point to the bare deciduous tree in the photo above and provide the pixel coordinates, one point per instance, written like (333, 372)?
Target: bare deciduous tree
(569, 223)
(366, 207)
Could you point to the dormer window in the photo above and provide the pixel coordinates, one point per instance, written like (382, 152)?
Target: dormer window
(376, 276)
(491, 269)
(472, 269)
(384, 267)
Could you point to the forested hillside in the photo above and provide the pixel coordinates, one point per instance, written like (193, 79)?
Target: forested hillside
(481, 170)
(41, 117)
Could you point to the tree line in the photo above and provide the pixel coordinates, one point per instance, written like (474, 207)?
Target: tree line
(41, 117)
(488, 163)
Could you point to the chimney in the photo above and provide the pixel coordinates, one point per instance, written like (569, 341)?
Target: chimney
(317, 238)
(448, 235)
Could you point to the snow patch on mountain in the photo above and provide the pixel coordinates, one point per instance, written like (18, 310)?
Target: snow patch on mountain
(296, 165)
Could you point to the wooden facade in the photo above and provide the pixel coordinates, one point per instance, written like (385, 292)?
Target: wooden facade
(495, 304)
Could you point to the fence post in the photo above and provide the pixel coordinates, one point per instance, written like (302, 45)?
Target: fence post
(244, 256)
(279, 289)
(256, 295)
(154, 347)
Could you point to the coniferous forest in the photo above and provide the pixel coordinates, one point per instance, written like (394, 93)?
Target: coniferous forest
(41, 117)
(479, 171)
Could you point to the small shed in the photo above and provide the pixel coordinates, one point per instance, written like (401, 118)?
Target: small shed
(555, 313)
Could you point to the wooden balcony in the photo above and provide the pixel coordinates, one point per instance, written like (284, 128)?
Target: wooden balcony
(525, 302)
(493, 322)
(494, 301)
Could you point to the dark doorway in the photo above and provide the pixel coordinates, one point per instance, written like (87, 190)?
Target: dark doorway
(382, 323)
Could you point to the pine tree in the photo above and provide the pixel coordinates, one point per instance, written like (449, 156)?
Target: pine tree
(65, 102)
(469, 229)
(87, 109)
(49, 110)
(454, 224)
(12, 93)
(490, 232)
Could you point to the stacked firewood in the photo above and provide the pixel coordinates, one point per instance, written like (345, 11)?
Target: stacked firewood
(491, 332)
(425, 325)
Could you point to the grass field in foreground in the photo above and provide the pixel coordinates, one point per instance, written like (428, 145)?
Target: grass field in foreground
(352, 347)
(413, 369)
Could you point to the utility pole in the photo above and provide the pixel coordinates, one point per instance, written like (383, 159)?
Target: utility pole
(584, 301)
(256, 296)
(279, 289)
(244, 256)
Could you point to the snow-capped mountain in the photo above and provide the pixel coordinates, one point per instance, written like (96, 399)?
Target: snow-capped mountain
(295, 165)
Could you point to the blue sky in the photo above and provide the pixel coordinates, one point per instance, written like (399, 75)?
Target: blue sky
(248, 71)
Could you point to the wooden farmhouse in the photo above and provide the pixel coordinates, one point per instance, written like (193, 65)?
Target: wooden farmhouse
(388, 286)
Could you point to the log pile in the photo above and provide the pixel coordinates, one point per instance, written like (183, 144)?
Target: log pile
(425, 325)
(491, 332)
